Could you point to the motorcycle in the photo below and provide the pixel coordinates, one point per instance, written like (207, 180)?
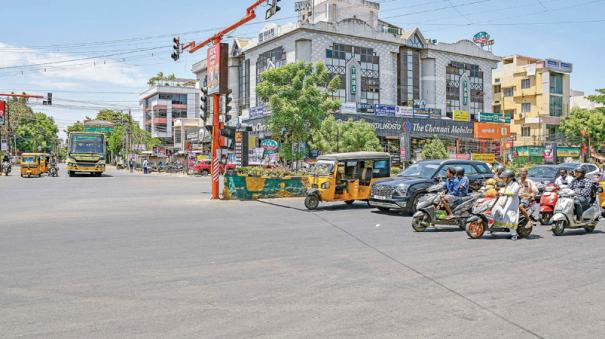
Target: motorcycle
(6, 168)
(430, 210)
(482, 219)
(565, 218)
(548, 201)
(53, 171)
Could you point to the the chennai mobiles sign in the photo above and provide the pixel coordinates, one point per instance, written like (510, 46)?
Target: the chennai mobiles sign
(431, 127)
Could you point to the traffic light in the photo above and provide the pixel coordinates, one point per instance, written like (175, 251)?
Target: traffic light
(176, 48)
(49, 99)
(228, 108)
(274, 8)
(204, 104)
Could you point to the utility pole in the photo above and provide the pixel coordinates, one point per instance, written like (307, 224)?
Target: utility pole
(216, 41)
(129, 141)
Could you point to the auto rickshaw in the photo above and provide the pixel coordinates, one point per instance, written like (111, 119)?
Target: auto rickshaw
(602, 196)
(345, 177)
(33, 164)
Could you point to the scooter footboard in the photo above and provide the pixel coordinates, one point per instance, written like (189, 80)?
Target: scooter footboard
(559, 217)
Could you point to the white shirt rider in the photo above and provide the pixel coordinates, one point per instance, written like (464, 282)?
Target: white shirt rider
(561, 181)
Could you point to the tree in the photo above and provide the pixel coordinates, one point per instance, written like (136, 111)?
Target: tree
(77, 126)
(350, 136)
(37, 132)
(298, 95)
(598, 98)
(585, 125)
(159, 77)
(434, 149)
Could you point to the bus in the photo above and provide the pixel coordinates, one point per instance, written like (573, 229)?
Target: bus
(86, 152)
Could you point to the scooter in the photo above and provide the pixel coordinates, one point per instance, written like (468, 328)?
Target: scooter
(482, 219)
(53, 171)
(430, 210)
(548, 201)
(6, 168)
(565, 218)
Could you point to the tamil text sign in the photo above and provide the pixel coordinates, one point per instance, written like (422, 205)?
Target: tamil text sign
(217, 58)
(494, 117)
(490, 130)
(485, 157)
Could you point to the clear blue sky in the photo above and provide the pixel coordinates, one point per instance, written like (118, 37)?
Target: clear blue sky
(39, 31)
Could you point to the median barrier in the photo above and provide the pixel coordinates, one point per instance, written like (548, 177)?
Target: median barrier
(245, 187)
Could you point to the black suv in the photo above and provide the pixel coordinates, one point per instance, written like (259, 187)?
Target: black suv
(403, 191)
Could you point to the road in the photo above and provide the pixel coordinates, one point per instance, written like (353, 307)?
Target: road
(151, 256)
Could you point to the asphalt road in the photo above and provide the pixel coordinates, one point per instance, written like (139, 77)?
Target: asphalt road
(151, 256)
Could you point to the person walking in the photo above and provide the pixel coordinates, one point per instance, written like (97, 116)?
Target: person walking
(145, 166)
(131, 165)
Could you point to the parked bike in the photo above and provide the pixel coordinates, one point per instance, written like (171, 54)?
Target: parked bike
(430, 210)
(564, 217)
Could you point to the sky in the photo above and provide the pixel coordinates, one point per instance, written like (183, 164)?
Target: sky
(108, 49)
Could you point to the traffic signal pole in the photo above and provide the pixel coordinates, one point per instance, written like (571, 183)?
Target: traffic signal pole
(216, 39)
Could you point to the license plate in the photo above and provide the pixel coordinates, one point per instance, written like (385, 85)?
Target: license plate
(380, 197)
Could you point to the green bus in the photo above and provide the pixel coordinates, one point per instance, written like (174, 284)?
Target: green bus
(86, 152)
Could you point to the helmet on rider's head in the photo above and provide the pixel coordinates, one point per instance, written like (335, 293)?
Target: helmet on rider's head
(498, 168)
(460, 171)
(507, 174)
(580, 169)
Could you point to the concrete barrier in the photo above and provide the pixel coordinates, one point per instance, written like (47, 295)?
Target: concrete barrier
(241, 187)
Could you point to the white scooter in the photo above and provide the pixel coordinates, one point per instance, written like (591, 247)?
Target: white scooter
(564, 214)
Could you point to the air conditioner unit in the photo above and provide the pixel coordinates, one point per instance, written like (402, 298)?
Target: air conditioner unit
(521, 115)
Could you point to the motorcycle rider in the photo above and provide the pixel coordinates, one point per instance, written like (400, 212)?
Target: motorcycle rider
(506, 211)
(451, 186)
(498, 169)
(6, 163)
(463, 182)
(564, 179)
(527, 193)
(582, 186)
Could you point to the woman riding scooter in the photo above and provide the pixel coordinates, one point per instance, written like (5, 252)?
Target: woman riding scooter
(506, 210)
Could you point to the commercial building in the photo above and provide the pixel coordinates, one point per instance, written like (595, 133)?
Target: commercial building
(535, 94)
(577, 99)
(386, 72)
(167, 101)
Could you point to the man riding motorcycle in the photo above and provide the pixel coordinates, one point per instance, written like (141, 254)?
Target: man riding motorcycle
(463, 182)
(564, 178)
(527, 193)
(498, 169)
(450, 186)
(582, 186)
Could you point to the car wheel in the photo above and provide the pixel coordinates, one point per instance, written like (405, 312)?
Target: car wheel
(204, 172)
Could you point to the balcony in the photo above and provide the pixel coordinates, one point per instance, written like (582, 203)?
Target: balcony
(526, 92)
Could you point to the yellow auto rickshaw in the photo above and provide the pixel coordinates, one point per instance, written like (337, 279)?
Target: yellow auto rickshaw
(345, 177)
(33, 164)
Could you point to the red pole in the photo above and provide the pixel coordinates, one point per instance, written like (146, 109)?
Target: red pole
(216, 135)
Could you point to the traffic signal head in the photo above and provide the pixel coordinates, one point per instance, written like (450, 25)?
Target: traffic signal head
(49, 99)
(204, 104)
(176, 48)
(274, 8)
(228, 108)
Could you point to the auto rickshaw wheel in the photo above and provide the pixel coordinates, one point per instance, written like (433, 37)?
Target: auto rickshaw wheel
(349, 202)
(312, 201)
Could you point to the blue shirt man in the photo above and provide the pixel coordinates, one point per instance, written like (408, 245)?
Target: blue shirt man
(462, 189)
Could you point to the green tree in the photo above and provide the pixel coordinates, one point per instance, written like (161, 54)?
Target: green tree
(37, 132)
(77, 126)
(349, 136)
(159, 77)
(298, 95)
(434, 149)
(584, 125)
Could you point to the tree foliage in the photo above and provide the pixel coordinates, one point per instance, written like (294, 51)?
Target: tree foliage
(349, 136)
(159, 77)
(298, 95)
(598, 98)
(38, 132)
(582, 124)
(434, 149)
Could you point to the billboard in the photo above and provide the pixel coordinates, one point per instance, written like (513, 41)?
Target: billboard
(217, 59)
(2, 112)
(491, 130)
(459, 115)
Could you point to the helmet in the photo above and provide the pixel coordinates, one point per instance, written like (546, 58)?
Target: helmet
(498, 168)
(507, 174)
(460, 171)
(580, 169)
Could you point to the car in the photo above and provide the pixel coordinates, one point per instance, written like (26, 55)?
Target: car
(591, 169)
(204, 167)
(403, 191)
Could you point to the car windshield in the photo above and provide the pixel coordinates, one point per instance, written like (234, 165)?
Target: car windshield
(87, 144)
(28, 160)
(420, 170)
(323, 168)
(542, 172)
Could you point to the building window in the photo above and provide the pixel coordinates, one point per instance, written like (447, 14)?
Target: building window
(244, 84)
(497, 89)
(454, 72)
(525, 107)
(510, 112)
(408, 77)
(508, 92)
(556, 106)
(556, 83)
(525, 83)
(525, 131)
(269, 59)
(497, 108)
(553, 131)
(176, 99)
(337, 59)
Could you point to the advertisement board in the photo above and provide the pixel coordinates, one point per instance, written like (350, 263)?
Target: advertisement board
(494, 117)
(489, 158)
(269, 146)
(550, 156)
(2, 112)
(568, 152)
(459, 115)
(491, 130)
(4, 145)
(385, 110)
(217, 57)
(430, 127)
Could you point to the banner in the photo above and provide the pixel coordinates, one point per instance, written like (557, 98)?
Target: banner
(550, 155)
(494, 117)
(385, 110)
(491, 130)
(568, 152)
(489, 158)
(431, 127)
(2, 112)
(459, 115)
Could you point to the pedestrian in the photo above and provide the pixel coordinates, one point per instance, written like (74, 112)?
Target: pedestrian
(145, 167)
(131, 165)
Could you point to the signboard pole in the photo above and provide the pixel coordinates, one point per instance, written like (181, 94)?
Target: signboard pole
(216, 135)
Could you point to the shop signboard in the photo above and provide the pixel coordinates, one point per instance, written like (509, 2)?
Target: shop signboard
(4, 145)
(489, 158)
(462, 156)
(405, 111)
(348, 107)
(385, 110)
(494, 117)
(241, 148)
(568, 152)
(269, 146)
(431, 127)
(384, 126)
(365, 108)
(550, 155)
(481, 37)
(491, 130)
(98, 129)
(2, 112)
(459, 115)
(258, 111)
(421, 113)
